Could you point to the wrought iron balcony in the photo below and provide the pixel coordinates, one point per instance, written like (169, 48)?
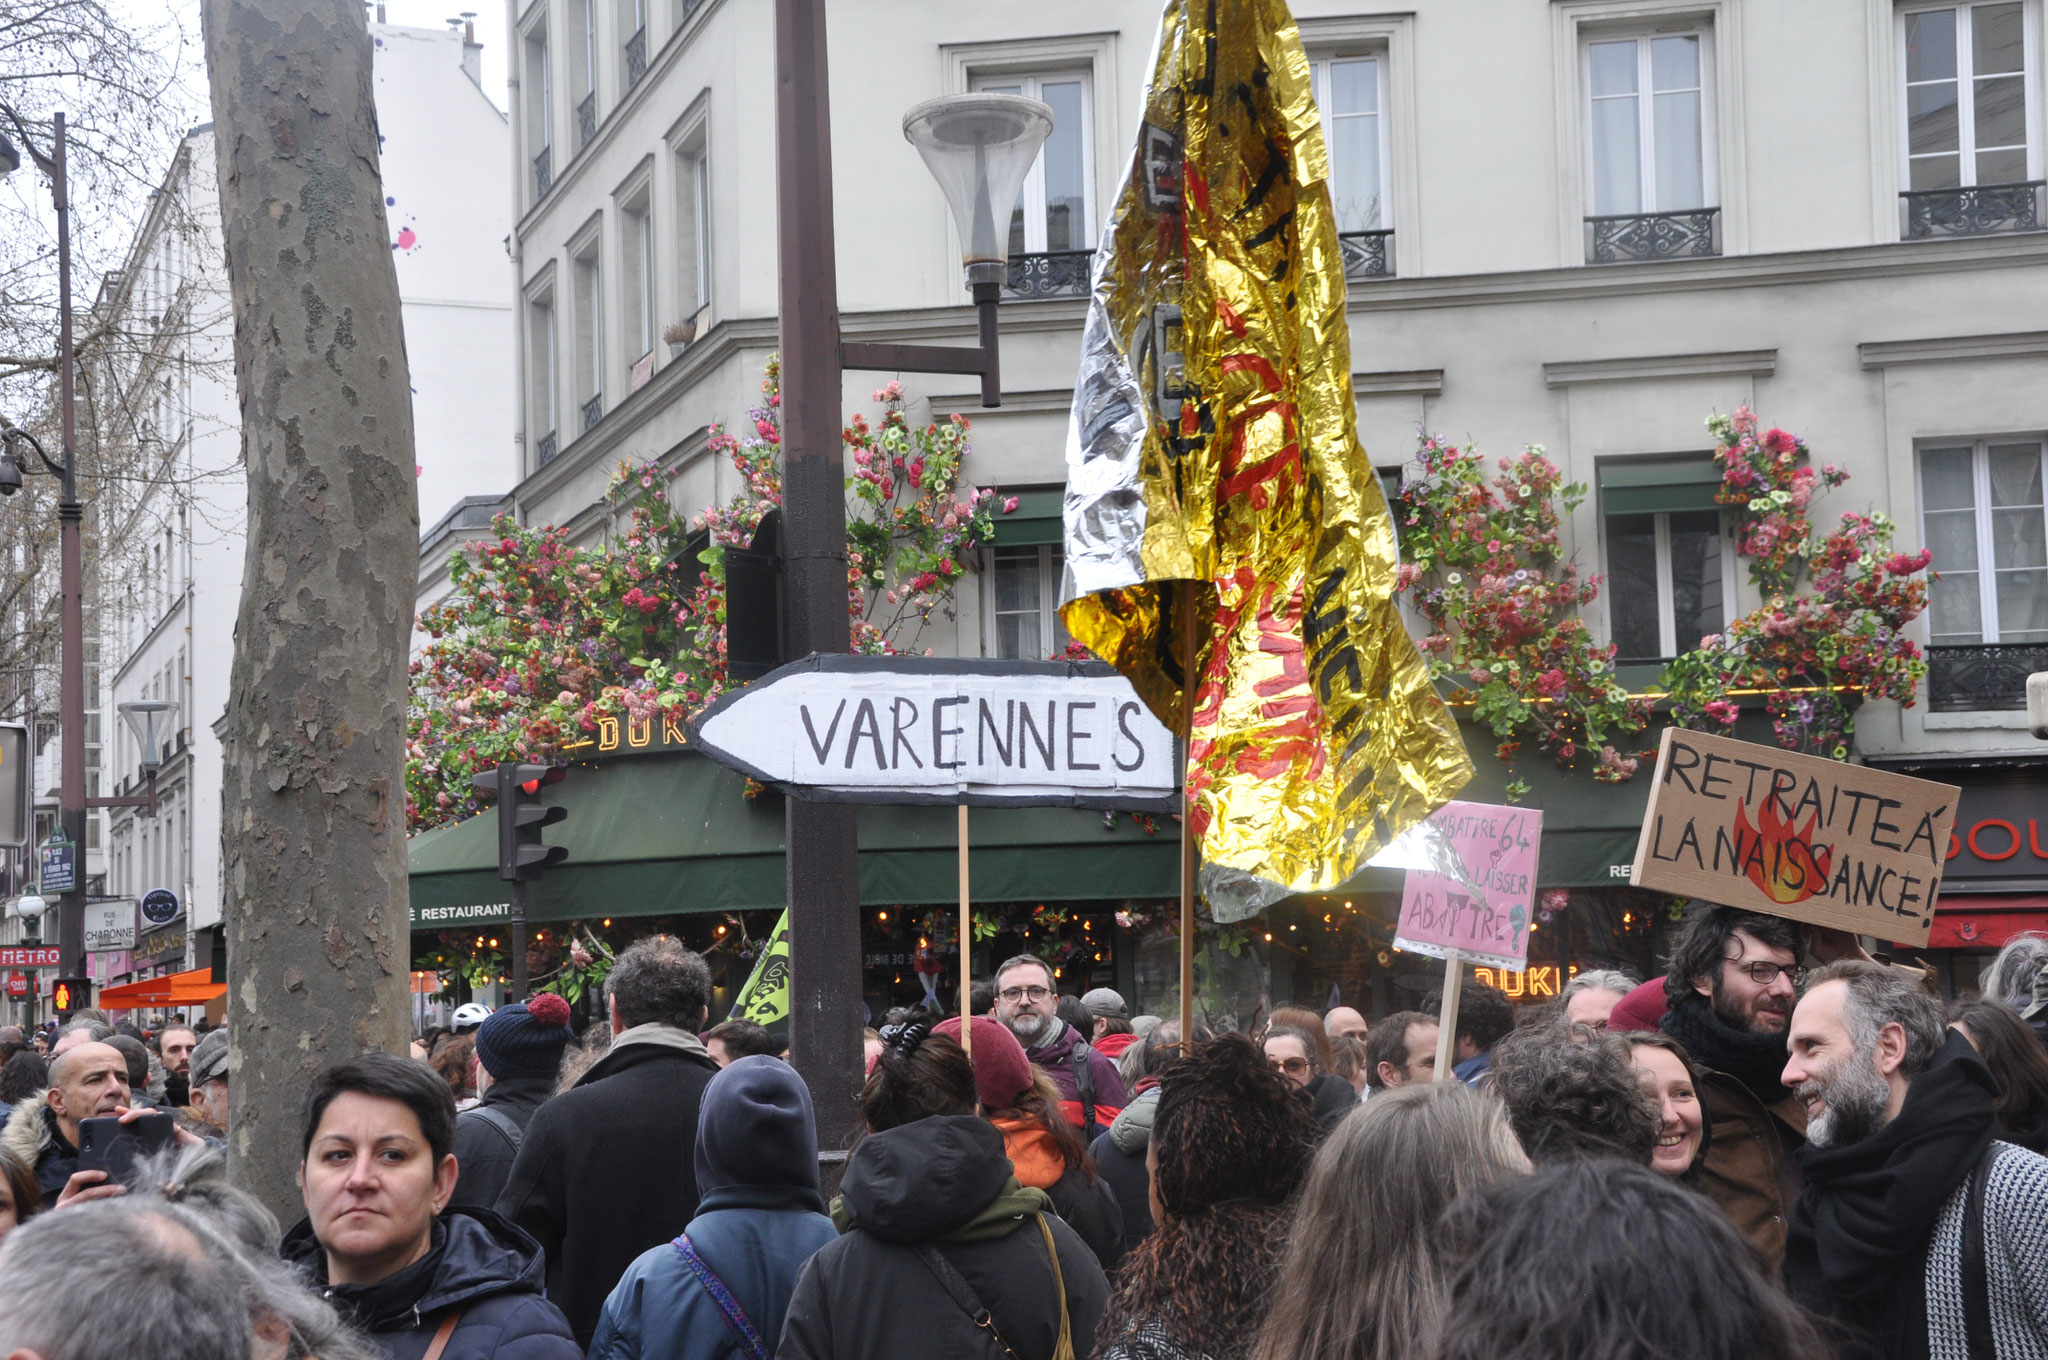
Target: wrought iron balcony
(544, 452)
(636, 58)
(586, 120)
(543, 171)
(593, 411)
(689, 7)
(1618, 237)
(1981, 210)
(1976, 679)
(1367, 254)
(1050, 273)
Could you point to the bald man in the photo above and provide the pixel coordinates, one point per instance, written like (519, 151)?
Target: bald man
(87, 1080)
(1347, 1022)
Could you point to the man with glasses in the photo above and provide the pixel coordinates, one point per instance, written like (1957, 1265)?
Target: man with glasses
(1092, 1091)
(1733, 982)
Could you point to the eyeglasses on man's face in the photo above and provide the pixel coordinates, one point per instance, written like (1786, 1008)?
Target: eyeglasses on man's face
(1024, 993)
(1763, 972)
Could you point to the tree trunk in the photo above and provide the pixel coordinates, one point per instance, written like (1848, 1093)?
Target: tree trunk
(313, 815)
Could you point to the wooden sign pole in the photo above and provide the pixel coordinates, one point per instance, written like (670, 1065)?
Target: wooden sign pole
(1190, 857)
(1447, 1015)
(966, 940)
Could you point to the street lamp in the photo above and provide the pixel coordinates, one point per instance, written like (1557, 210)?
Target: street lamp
(71, 799)
(150, 721)
(979, 147)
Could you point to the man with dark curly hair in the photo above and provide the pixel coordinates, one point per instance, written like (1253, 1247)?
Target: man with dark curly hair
(1574, 1097)
(1485, 1017)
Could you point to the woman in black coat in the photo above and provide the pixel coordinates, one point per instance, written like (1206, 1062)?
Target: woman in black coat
(379, 1240)
(935, 1227)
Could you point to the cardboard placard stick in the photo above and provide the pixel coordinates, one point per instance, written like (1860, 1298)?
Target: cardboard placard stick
(1447, 1015)
(966, 963)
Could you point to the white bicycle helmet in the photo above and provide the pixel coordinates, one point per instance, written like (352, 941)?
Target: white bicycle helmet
(469, 1015)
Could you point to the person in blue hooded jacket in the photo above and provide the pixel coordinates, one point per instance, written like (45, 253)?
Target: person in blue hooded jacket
(721, 1289)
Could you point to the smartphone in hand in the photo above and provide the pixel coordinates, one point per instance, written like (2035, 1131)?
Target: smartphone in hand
(106, 1144)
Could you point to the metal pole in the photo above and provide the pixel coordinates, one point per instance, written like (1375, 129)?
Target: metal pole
(71, 565)
(517, 926)
(823, 844)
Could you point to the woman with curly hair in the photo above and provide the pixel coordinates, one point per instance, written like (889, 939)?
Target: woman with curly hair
(1230, 1144)
(1572, 1096)
(1363, 1279)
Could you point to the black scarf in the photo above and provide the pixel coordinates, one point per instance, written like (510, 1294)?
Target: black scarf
(1755, 1060)
(1857, 1246)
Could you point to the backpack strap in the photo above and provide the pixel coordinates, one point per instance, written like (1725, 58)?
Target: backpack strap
(502, 1122)
(1084, 1079)
(1979, 1341)
(442, 1333)
(737, 1323)
(1064, 1348)
(963, 1295)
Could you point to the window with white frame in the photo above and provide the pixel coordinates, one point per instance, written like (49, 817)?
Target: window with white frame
(539, 87)
(1351, 95)
(1982, 518)
(1680, 556)
(1649, 122)
(1969, 106)
(693, 227)
(1056, 210)
(543, 374)
(1023, 594)
(589, 335)
(637, 248)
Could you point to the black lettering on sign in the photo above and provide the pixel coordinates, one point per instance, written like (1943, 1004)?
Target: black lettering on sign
(1074, 733)
(1027, 728)
(940, 732)
(1683, 758)
(865, 723)
(1123, 727)
(985, 728)
(821, 749)
(897, 741)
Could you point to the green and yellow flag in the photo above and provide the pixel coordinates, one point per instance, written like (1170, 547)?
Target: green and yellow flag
(1219, 505)
(765, 998)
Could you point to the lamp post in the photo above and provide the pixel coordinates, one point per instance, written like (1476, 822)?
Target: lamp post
(979, 147)
(71, 799)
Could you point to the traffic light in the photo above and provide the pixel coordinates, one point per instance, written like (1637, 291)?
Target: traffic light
(71, 994)
(521, 855)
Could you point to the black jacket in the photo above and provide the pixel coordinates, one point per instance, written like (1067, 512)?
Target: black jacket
(1125, 1175)
(483, 1154)
(480, 1264)
(942, 1181)
(606, 1170)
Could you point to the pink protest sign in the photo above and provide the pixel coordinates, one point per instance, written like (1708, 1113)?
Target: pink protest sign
(1475, 897)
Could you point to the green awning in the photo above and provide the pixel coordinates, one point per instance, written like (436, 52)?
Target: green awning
(1037, 519)
(673, 834)
(1645, 486)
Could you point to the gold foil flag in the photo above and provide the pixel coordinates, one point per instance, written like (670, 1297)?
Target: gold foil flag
(1218, 504)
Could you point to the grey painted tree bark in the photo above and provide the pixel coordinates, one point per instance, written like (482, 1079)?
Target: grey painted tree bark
(313, 819)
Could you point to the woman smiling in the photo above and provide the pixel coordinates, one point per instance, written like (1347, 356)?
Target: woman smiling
(380, 1241)
(1664, 1069)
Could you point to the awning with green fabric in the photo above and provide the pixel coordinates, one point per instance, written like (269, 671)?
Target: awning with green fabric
(1037, 519)
(673, 834)
(1645, 486)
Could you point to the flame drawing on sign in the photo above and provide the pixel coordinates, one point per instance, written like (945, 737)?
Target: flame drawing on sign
(1779, 859)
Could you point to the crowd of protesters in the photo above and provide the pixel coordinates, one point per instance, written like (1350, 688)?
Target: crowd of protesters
(1742, 1158)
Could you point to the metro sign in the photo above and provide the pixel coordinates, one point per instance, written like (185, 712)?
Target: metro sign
(30, 956)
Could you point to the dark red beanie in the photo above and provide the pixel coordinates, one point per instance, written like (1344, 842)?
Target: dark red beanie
(1002, 1074)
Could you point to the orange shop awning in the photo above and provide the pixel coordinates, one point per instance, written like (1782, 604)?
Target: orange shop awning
(178, 989)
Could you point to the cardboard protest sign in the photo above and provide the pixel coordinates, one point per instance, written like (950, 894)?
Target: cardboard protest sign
(1473, 901)
(901, 729)
(1797, 836)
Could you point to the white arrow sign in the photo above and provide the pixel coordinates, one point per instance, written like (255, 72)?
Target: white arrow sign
(897, 729)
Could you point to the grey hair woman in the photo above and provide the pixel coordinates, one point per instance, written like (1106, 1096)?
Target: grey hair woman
(1363, 1279)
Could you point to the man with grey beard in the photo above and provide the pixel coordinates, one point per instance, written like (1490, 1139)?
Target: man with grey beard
(1091, 1088)
(1917, 1231)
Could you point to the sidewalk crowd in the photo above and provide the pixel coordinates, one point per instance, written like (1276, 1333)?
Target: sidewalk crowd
(1783, 1148)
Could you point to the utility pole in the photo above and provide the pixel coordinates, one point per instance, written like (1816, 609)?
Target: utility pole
(823, 845)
